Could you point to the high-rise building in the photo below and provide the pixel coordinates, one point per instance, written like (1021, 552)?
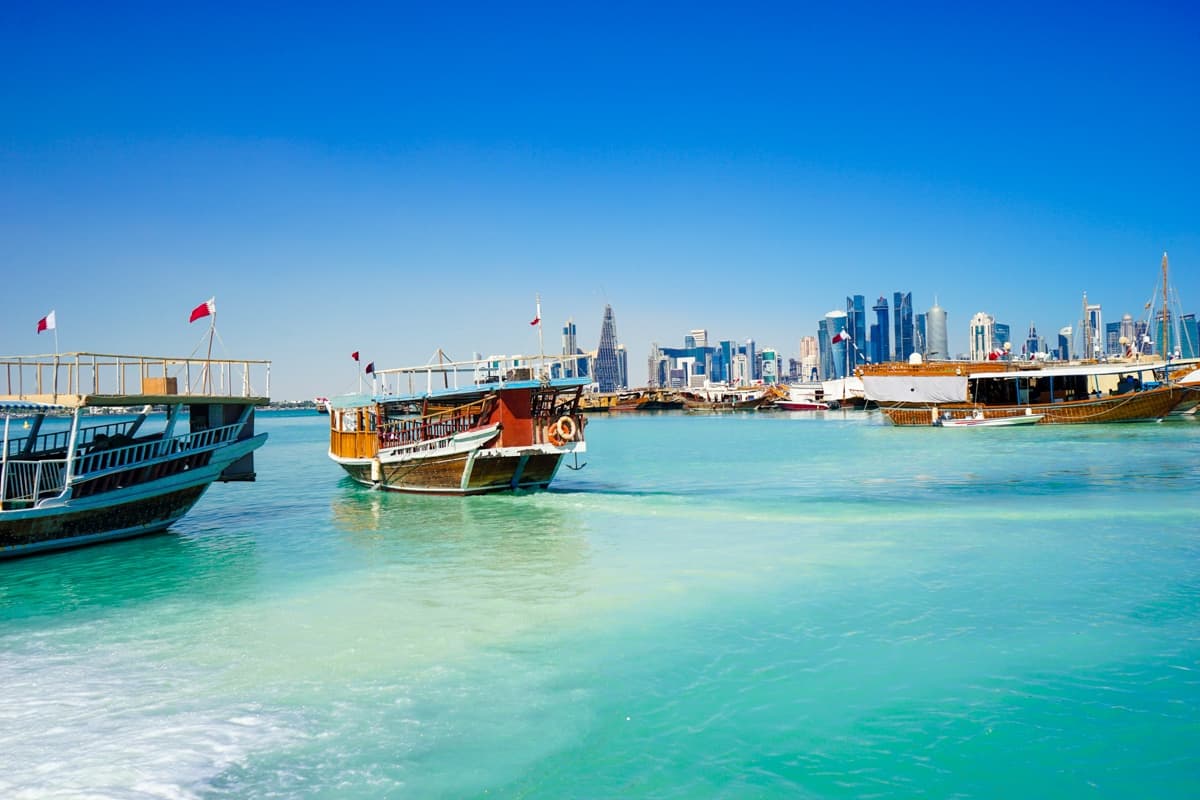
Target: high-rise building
(903, 323)
(1189, 345)
(1141, 335)
(982, 336)
(1091, 331)
(1064, 343)
(1002, 335)
(856, 324)
(937, 338)
(608, 366)
(656, 367)
(1112, 338)
(575, 361)
(833, 354)
(1033, 342)
(1128, 333)
(699, 337)
(770, 366)
(810, 358)
(881, 350)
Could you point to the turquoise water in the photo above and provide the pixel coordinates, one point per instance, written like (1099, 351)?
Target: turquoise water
(731, 606)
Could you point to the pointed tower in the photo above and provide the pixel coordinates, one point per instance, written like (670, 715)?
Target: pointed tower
(608, 366)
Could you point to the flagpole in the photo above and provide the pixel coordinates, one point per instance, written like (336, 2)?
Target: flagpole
(212, 327)
(541, 346)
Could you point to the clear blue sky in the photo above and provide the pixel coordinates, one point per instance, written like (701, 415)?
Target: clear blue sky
(394, 179)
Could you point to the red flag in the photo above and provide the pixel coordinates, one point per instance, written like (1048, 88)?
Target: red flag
(46, 323)
(840, 336)
(370, 370)
(536, 320)
(206, 308)
(354, 355)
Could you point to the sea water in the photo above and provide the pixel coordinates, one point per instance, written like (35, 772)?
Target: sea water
(811, 605)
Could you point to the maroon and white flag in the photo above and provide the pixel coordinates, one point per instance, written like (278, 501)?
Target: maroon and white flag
(46, 323)
(205, 309)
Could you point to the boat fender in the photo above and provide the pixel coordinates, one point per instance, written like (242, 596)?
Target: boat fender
(376, 470)
(567, 429)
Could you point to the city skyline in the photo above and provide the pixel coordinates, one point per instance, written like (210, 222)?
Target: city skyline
(399, 180)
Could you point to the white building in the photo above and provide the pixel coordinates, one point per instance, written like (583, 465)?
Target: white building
(982, 336)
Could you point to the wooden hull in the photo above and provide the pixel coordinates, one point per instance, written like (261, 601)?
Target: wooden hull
(477, 472)
(1147, 406)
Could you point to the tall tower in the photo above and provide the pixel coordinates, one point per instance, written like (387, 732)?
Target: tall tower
(569, 346)
(881, 349)
(856, 321)
(983, 336)
(936, 342)
(833, 354)
(902, 305)
(608, 367)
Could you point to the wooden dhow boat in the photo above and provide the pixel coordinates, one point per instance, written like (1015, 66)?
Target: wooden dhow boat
(508, 427)
(1070, 393)
(725, 398)
(91, 460)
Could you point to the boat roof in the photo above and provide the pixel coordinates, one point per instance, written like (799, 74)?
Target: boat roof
(77, 380)
(1060, 370)
(358, 400)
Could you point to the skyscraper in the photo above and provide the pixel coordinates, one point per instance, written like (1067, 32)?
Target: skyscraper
(856, 323)
(1188, 345)
(982, 336)
(903, 322)
(880, 348)
(570, 348)
(1064, 343)
(936, 341)
(608, 367)
(919, 335)
(833, 354)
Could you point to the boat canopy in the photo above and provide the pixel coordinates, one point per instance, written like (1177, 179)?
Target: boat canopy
(22, 407)
(915, 388)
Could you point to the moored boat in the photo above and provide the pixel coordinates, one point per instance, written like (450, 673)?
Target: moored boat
(508, 427)
(717, 397)
(978, 420)
(68, 479)
(1072, 393)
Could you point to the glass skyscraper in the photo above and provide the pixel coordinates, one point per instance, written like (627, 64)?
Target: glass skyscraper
(608, 367)
(881, 349)
(903, 322)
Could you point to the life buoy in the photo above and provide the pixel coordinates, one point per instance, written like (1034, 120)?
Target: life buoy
(566, 428)
(553, 436)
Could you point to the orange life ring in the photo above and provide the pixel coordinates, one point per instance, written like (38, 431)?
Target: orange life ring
(566, 428)
(553, 436)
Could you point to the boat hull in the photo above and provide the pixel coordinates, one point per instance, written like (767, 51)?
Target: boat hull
(1146, 406)
(119, 514)
(481, 471)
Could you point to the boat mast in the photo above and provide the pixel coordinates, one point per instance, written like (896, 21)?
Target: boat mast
(1165, 333)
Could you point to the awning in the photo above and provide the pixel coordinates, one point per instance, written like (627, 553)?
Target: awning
(19, 407)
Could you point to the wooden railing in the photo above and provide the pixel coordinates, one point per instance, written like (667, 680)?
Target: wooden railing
(435, 426)
(105, 374)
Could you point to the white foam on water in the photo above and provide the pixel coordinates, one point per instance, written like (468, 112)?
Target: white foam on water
(114, 726)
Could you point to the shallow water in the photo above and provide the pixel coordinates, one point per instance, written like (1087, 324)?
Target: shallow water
(772, 605)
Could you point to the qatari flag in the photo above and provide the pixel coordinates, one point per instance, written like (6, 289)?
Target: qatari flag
(205, 309)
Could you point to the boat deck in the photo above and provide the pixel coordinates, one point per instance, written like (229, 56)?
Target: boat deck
(82, 380)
